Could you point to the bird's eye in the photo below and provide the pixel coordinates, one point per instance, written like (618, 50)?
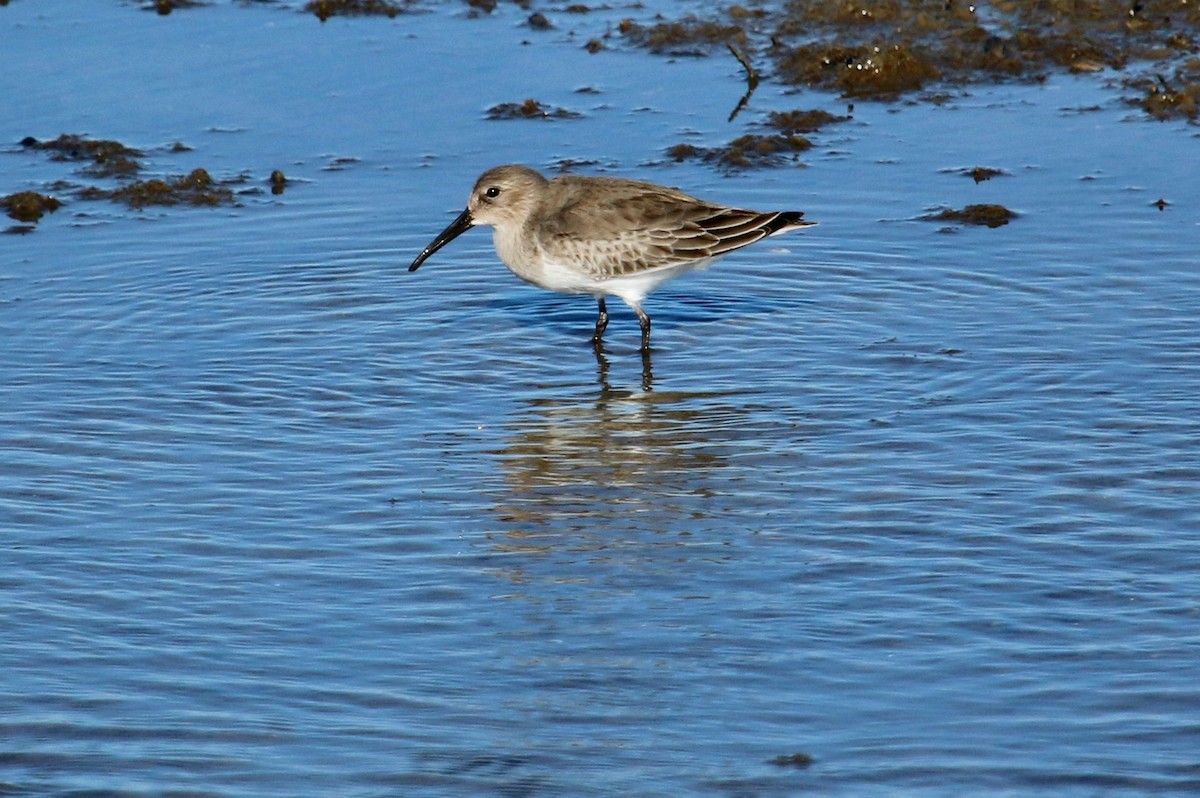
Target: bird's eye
(492, 192)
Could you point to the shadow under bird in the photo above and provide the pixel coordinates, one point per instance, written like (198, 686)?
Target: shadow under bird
(604, 236)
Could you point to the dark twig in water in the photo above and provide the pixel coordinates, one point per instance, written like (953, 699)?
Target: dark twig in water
(751, 81)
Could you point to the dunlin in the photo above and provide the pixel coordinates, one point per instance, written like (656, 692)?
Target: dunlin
(604, 236)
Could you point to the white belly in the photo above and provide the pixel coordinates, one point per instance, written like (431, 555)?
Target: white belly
(633, 288)
(568, 277)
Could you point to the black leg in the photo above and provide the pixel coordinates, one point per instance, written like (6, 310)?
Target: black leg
(645, 320)
(601, 367)
(601, 323)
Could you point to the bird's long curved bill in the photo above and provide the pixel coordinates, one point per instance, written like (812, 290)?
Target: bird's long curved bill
(453, 231)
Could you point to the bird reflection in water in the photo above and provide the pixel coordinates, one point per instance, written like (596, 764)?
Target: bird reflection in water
(603, 366)
(612, 463)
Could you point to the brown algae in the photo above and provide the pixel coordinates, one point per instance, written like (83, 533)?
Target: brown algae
(530, 109)
(106, 158)
(799, 760)
(984, 215)
(165, 7)
(197, 188)
(762, 150)
(29, 206)
(324, 9)
(688, 36)
(981, 173)
(883, 49)
(1168, 99)
(103, 158)
(746, 152)
(879, 70)
(800, 121)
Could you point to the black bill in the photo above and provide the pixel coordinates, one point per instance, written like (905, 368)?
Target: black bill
(453, 231)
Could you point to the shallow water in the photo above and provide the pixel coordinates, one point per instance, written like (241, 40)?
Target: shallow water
(279, 518)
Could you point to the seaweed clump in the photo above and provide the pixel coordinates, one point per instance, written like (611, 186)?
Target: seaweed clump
(799, 121)
(196, 188)
(978, 173)
(984, 215)
(106, 158)
(797, 760)
(755, 150)
(881, 49)
(530, 109)
(885, 49)
(165, 7)
(29, 206)
(746, 152)
(324, 9)
(102, 158)
(1169, 99)
(688, 36)
(982, 173)
(879, 70)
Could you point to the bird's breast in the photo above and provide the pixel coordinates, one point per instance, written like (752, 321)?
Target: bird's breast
(511, 248)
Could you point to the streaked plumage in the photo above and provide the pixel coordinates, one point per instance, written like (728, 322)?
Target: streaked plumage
(604, 236)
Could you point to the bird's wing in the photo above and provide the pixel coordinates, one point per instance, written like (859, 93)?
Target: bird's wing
(638, 227)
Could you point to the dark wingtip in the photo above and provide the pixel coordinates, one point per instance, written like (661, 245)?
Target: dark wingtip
(788, 220)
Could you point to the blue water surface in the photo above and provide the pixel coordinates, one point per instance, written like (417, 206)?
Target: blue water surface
(895, 508)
